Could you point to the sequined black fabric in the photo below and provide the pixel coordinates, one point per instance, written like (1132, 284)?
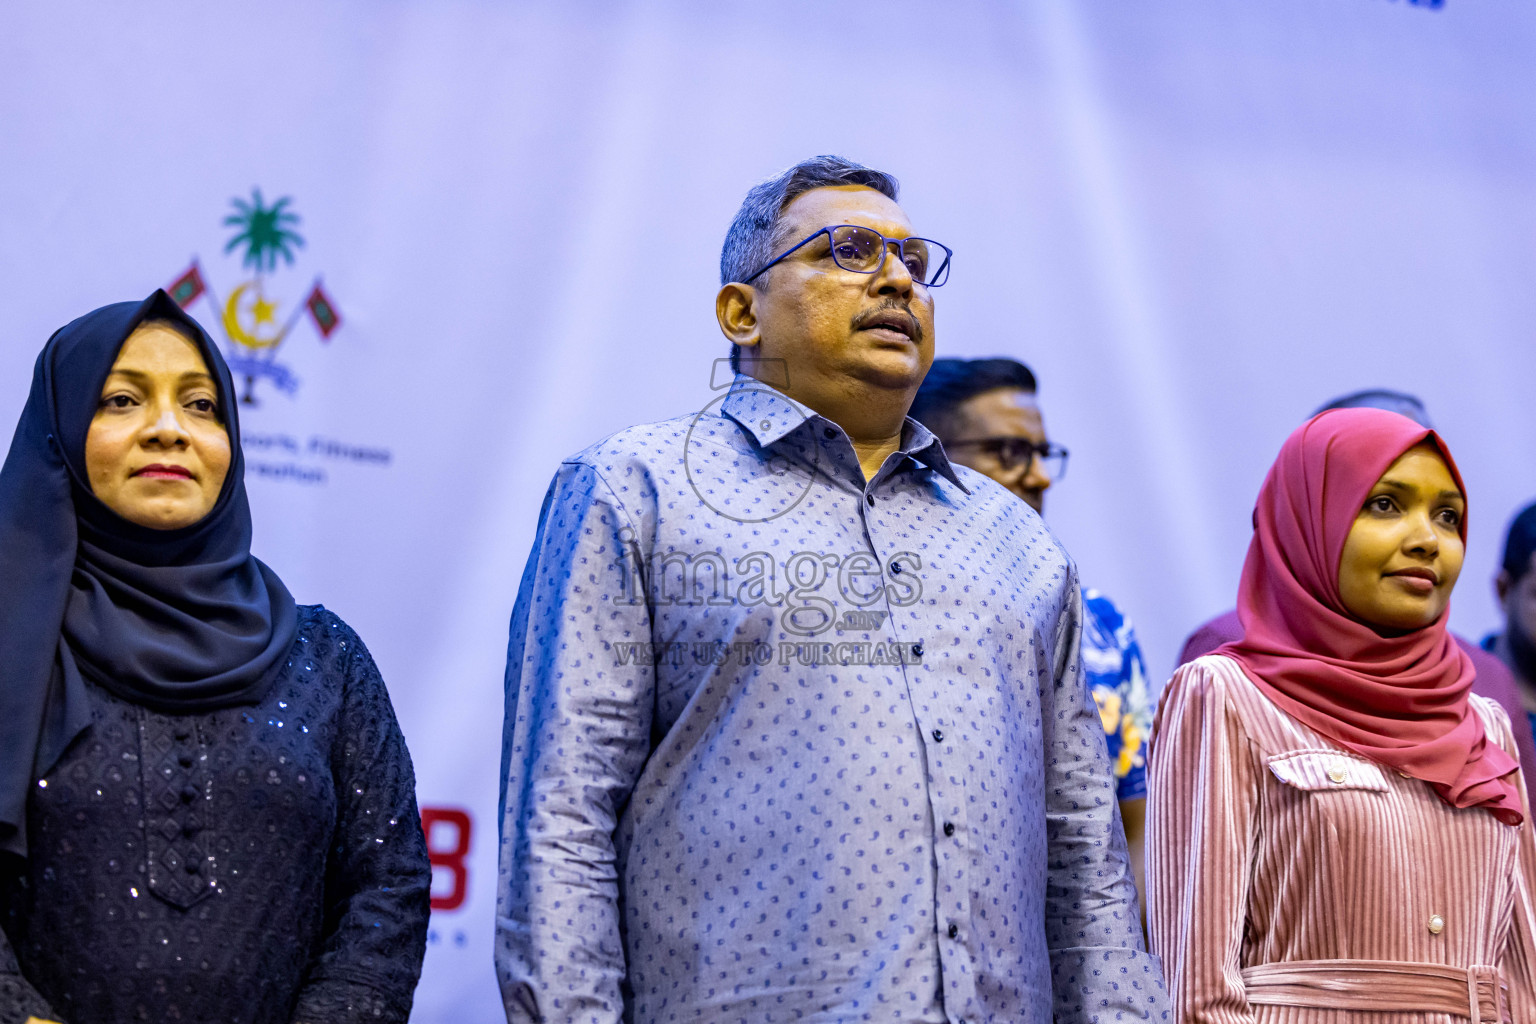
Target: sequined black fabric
(255, 865)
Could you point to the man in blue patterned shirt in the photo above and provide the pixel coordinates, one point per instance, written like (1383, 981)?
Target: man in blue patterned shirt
(796, 728)
(987, 414)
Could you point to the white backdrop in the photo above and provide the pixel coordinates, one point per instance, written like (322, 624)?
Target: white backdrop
(1196, 219)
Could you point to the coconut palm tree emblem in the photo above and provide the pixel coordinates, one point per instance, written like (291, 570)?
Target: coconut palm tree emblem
(249, 318)
(266, 232)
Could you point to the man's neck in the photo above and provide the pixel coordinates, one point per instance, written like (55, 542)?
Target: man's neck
(871, 416)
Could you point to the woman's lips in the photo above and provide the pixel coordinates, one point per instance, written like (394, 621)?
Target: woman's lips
(1419, 581)
(157, 471)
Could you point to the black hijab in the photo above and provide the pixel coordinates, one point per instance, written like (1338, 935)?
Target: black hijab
(180, 621)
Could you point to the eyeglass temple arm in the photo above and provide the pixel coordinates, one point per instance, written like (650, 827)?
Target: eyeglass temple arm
(780, 257)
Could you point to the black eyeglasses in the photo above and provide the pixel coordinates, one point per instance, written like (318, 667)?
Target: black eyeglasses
(1011, 452)
(862, 250)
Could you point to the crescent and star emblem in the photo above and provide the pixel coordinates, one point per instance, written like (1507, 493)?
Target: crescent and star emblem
(247, 307)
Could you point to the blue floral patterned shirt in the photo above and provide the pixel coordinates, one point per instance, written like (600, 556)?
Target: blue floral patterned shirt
(783, 745)
(1117, 678)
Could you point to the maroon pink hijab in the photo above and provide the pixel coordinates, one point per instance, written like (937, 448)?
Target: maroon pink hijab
(1401, 701)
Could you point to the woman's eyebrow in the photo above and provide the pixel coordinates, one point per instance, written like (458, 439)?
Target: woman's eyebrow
(143, 376)
(1398, 485)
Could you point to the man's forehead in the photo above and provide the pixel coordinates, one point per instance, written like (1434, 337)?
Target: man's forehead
(847, 204)
(1005, 411)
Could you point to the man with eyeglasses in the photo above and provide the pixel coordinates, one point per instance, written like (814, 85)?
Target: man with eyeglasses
(796, 728)
(987, 414)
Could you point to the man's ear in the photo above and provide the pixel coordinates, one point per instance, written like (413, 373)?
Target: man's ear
(736, 312)
(1501, 586)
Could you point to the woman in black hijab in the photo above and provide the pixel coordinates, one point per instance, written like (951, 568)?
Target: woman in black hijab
(206, 806)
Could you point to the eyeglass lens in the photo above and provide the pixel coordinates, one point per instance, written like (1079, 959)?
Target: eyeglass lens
(1019, 452)
(861, 249)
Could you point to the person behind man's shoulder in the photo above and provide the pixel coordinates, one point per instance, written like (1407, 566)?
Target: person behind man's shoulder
(795, 726)
(1514, 646)
(989, 417)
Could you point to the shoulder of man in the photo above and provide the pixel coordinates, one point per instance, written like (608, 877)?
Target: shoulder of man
(639, 465)
(641, 442)
(1210, 635)
(988, 497)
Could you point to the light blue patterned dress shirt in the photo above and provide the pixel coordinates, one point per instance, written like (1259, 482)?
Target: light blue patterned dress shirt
(781, 745)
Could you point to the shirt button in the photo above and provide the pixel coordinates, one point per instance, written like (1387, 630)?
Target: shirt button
(954, 931)
(191, 867)
(895, 568)
(188, 795)
(949, 828)
(829, 433)
(185, 760)
(938, 735)
(189, 831)
(1337, 772)
(869, 498)
(917, 649)
(1436, 924)
(183, 735)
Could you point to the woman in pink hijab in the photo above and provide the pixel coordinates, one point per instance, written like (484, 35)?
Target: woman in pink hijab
(1337, 827)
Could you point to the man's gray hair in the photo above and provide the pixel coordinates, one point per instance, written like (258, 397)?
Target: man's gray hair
(755, 234)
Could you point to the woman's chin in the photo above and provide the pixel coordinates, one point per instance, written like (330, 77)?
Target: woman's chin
(161, 517)
(1396, 618)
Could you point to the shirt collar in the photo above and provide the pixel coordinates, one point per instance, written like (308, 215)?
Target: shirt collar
(769, 416)
(763, 411)
(920, 443)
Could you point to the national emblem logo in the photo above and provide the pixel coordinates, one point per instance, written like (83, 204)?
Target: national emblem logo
(249, 319)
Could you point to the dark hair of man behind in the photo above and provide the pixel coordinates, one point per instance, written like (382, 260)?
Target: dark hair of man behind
(951, 382)
(1520, 543)
(1381, 398)
(754, 235)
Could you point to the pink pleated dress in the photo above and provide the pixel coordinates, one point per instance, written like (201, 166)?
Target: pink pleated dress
(1291, 881)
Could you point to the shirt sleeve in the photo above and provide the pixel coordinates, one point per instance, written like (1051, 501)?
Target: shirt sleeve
(575, 738)
(1201, 826)
(378, 878)
(1100, 969)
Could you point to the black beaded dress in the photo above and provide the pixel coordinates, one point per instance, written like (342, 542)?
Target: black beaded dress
(206, 806)
(251, 865)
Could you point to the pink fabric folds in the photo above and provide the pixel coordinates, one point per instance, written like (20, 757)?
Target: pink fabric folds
(1401, 701)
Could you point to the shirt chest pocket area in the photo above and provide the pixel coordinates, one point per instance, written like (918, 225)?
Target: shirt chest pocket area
(1331, 815)
(1327, 771)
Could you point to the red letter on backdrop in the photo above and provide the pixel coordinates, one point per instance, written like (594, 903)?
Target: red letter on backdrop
(449, 857)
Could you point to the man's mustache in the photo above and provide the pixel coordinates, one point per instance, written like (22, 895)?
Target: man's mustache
(892, 314)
